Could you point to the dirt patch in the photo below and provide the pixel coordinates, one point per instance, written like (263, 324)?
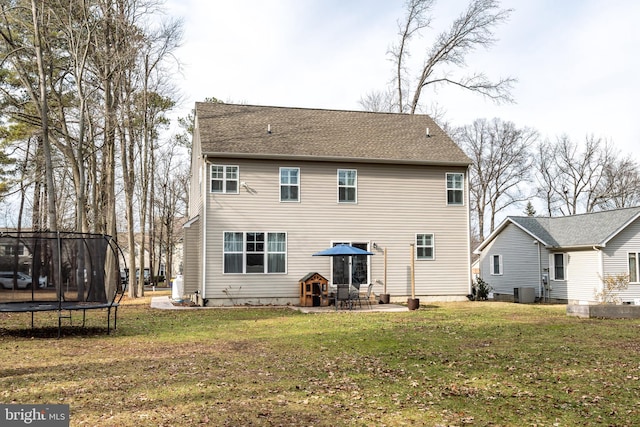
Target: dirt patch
(184, 303)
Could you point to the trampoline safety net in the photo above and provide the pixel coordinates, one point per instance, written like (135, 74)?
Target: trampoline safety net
(56, 266)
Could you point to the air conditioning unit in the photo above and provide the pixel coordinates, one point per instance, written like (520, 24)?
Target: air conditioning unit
(524, 295)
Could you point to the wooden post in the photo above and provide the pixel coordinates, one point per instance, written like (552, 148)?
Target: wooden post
(384, 287)
(413, 273)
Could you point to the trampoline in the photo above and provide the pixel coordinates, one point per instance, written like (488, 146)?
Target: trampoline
(61, 272)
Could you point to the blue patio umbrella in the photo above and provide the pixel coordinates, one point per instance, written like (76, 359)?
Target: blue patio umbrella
(342, 250)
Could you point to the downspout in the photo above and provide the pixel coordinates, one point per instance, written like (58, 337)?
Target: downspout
(540, 284)
(600, 267)
(203, 173)
(468, 201)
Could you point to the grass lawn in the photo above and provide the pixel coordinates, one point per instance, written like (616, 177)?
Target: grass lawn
(472, 363)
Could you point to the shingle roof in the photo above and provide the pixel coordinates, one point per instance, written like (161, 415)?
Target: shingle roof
(593, 229)
(241, 130)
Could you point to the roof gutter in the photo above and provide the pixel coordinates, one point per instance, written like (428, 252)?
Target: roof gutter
(596, 247)
(333, 159)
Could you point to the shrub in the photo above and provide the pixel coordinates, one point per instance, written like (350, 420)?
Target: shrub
(612, 284)
(480, 290)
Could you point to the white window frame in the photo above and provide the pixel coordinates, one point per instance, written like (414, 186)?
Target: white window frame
(432, 246)
(454, 189)
(275, 251)
(8, 249)
(265, 252)
(637, 267)
(346, 186)
(289, 184)
(552, 266)
(225, 180)
(351, 260)
(493, 264)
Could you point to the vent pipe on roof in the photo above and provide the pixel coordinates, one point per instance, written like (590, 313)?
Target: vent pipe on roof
(269, 128)
(428, 134)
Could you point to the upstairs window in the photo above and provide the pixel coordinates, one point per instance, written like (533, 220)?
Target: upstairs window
(424, 246)
(224, 179)
(289, 184)
(455, 189)
(347, 185)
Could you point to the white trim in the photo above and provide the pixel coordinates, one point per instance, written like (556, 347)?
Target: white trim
(265, 252)
(492, 265)
(224, 178)
(622, 227)
(446, 189)
(280, 185)
(353, 242)
(468, 214)
(205, 197)
(637, 254)
(552, 266)
(355, 202)
(433, 246)
(499, 229)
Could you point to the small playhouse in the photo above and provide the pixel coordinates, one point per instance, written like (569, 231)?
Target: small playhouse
(62, 272)
(314, 291)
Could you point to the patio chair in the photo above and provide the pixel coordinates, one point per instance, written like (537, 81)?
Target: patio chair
(343, 296)
(354, 294)
(366, 297)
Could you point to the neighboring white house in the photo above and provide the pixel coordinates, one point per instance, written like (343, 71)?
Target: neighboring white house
(270, 186)
(563, 258)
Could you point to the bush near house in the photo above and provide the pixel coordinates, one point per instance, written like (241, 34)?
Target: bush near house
(612, 285)
(480, 290)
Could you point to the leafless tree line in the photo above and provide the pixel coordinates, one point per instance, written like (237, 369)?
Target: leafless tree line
(84, 97)
(511, 166)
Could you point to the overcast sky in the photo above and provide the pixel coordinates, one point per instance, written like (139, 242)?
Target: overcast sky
(577, 61)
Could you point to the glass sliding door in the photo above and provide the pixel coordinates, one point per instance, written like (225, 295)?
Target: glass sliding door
(341, 267)
(351, 270)
(360, 267)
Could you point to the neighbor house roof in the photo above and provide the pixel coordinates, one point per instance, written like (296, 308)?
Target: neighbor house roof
(229, 130)
(585, 230)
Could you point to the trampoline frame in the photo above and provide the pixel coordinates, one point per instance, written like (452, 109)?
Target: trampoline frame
(60, 305)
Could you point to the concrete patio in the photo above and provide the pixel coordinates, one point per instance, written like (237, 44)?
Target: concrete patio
(164, 303)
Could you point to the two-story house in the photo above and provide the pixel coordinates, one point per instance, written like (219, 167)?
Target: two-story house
(270, 186)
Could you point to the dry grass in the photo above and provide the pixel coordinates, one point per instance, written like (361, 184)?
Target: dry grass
(447, 364)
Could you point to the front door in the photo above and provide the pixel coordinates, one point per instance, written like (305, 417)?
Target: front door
(351, 270)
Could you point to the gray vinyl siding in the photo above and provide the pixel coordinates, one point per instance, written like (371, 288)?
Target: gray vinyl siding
(192, 249)
(393, 204)
(615, 256)
(519, 261)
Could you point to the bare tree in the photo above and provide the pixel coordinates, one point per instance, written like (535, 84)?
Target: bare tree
(620, 184)
(172, 174)
(546, 176)
(378, 101)
(417, 19)
(501, 166)
(570, 176)
(472, 30)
